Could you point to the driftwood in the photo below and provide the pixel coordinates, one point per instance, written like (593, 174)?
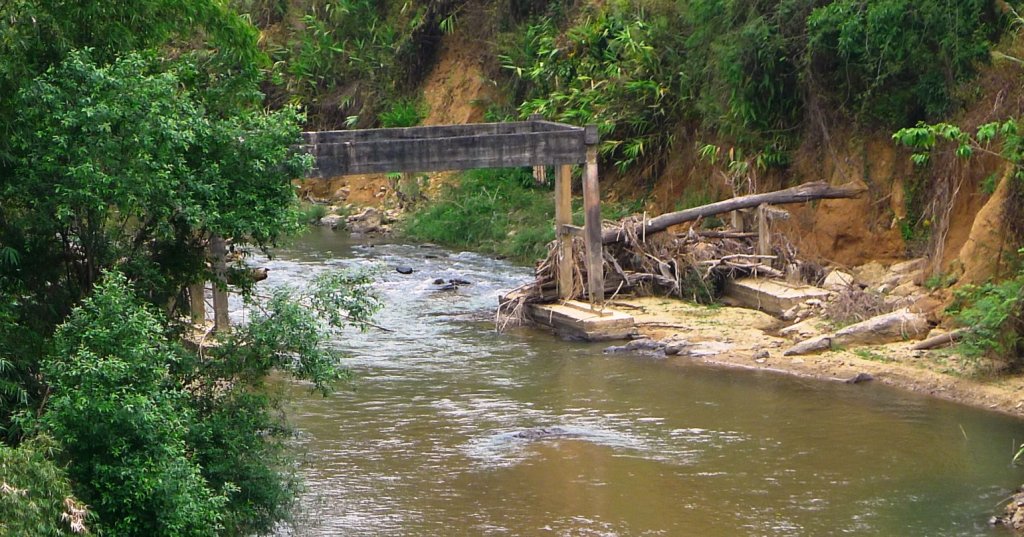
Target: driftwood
(803, 193)
(896, 326)
(941, 340)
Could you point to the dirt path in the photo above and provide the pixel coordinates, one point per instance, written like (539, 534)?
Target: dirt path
(747, 339)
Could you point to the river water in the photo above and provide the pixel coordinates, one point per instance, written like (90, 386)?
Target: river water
(423, 442)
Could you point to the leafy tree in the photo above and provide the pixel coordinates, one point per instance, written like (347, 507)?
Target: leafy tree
(122, 421)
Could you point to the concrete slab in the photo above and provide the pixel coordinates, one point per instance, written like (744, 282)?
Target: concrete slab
(770, 296)
(576, 319)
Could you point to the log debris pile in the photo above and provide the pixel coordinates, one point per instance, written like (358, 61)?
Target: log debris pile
(640, 257)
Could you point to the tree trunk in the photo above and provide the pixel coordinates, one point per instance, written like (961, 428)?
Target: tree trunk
(798, 194)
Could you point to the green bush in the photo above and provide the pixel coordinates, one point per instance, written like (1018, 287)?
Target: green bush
(993, 315)
(403, 113)
(122, 422)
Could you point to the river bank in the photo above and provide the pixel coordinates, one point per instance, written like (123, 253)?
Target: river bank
(742, 338)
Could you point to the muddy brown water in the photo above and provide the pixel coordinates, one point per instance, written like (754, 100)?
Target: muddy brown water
(426, 440)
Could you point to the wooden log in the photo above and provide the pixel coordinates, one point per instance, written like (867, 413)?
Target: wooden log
(592, 223)
(219, 251)
(940, 340)
(563, 217)
(803, 193)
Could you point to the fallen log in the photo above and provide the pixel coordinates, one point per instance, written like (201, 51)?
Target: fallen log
(940, 340)
(803, 193)
(896, 326)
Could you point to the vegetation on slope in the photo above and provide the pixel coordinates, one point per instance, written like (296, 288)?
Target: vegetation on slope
(133, 133)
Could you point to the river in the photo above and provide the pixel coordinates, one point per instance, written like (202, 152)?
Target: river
(423, 441)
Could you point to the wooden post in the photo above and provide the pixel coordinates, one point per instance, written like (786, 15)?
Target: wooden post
(592, 221)
(764, 238)
(563, 216)
(219, 252)
(197, 303)
(737, 221)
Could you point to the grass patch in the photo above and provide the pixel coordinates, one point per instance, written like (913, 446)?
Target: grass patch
(871, 355)
(311, 213)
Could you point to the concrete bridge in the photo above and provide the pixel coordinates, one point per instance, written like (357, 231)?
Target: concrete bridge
(484, 145)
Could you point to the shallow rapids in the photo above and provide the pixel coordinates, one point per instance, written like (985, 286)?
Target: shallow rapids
(453, 429)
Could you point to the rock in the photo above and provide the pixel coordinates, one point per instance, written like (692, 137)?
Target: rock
(404, 270)
(699, 349)
(930, 307)
(762, 355)
(459, 281)
(909, 267)
(802, 330)
(814, 303)
(837, 280)
(637, 345)
(367, 221)
(541, 433)
(872, 274)
(905, 289)
(439, 281)
(676, 346)
(859, 378)
(791, 313)
(896, 326)
(1013, 514)
(332, 221)
(808, 346)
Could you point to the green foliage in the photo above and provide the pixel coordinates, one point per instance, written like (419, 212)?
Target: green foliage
(897, 60)
(119, 165)
(742, 71)
(122, 422)
(403, 113)
(497, 211)
(994, 314)
(35, 494)
(289, 329)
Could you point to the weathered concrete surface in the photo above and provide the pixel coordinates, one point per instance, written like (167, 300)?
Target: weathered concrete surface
(576, 319)
(770, 296)
(896, 326)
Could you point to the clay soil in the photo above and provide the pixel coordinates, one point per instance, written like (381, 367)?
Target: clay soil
(752, 342)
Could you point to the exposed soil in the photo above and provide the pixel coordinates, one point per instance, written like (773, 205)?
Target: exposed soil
(752, 343)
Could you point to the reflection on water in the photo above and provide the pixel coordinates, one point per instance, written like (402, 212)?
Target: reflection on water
(426, 440)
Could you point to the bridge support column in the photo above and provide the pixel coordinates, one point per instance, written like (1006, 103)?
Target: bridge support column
(592, 221)
(563, 217)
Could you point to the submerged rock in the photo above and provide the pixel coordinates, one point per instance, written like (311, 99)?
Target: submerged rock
(401, 269)
(542, 433)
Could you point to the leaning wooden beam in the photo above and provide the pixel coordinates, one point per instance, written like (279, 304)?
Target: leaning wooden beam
(803, 193)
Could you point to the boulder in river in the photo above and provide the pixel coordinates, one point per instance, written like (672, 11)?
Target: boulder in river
(401, 269)
(367, 221)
